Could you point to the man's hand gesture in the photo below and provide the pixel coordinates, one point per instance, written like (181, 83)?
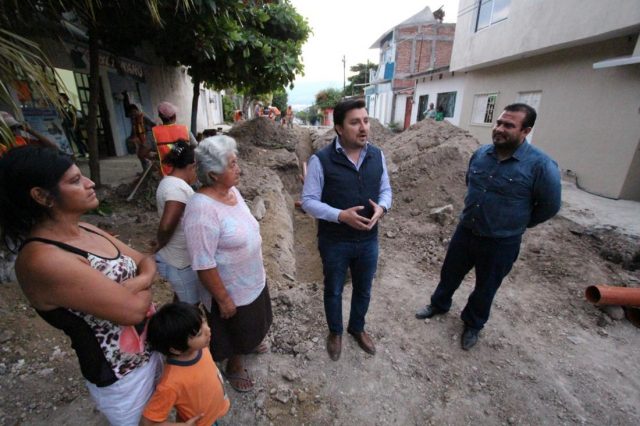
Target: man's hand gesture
(353, 219)
(378, 212)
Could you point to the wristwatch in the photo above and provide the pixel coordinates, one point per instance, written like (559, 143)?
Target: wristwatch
(384, 209)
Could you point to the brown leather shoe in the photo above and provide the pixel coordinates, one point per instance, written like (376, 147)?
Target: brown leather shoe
(334, 346)
(365, 342)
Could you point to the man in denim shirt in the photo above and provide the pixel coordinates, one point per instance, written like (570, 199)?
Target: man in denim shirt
(512, 186)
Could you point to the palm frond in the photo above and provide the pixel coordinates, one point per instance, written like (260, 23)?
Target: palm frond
(21, 58)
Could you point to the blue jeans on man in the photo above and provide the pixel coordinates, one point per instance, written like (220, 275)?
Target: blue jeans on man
(492, 259)
(361, 257)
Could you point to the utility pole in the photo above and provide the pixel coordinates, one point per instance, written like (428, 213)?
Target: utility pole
(366, 73)
(344, 74)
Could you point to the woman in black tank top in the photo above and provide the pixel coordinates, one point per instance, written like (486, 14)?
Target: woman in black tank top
(78, 278)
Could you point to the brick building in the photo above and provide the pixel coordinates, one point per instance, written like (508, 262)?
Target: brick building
(415, 46)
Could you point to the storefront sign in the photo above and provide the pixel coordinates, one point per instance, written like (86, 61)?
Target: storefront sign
(123, 66)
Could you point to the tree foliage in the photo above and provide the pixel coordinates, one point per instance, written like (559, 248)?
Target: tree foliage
(280, 99)
(328, 98)
(357, 81)
(228, 108)
(254, 47)
(21, 59)
(309, 115)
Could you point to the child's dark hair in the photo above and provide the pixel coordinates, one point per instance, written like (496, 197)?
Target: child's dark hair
(180, 156)
(171, 327)
(22, 169)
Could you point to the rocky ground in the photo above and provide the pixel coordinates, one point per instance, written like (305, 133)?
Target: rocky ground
(547, 356)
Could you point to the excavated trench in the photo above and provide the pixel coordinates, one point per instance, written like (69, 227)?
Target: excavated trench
(273, 158)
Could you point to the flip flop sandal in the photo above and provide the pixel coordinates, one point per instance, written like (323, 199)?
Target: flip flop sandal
(240, 379)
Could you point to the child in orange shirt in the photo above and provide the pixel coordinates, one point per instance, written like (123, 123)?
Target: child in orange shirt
(190, 381)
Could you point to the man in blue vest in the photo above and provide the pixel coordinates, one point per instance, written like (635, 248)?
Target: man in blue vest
(347, 189)
(511, 186)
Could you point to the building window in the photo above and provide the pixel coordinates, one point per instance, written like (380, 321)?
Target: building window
(423, 105)
(447, 101)
(388, 70)
(491, 12)
(532, 99)
(483, 107)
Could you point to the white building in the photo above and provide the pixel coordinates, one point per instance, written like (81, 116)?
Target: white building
(577, 62)
(440, 87)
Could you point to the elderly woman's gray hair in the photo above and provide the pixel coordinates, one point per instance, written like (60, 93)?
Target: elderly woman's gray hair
(212, 155)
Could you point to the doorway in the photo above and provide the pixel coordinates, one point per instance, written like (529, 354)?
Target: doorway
(407, 111)
(105, 139)
(423, 103)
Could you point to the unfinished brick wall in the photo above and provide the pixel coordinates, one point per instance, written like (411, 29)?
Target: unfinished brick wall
(423, 55)
(402, 84)
(443, 53)
(423, 47)
(404, 56)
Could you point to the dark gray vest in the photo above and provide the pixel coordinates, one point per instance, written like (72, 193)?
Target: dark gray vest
(345, 187)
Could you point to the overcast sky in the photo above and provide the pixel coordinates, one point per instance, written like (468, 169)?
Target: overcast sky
(349, 28)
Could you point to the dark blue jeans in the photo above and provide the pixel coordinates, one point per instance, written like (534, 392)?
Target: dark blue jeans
(492, 259)
(361, 257)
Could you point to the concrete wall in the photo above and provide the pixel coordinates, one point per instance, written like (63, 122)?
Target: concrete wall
(538, 26)
(631, 187)
(588, 119)
(432, 85)
(173, 84)
(384, 105)
(380, 103)
(401, 106)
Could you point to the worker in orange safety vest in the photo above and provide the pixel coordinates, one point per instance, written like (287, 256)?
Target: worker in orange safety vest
(169, 132)
(22, 135)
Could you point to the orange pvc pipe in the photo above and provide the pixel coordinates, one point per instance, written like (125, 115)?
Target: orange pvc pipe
(613, 295)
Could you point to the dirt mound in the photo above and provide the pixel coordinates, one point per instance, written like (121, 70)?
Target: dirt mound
(427, 163)
(263, 132)
(427, 134)
(378, 134)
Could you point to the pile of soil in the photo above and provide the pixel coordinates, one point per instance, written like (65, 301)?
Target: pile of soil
(262, 132)
(427, 165)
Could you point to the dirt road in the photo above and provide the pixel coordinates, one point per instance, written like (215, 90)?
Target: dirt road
(545, 357)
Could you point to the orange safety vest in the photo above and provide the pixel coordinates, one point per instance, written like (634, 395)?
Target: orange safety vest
(166, 135)
(18, 141)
